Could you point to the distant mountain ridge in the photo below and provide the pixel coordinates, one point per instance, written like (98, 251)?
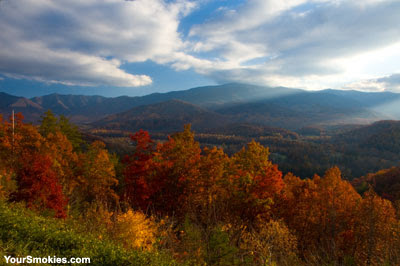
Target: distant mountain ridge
(229, 103)
(289, 111)
(82, 108)
(165, 116)
(19, 104)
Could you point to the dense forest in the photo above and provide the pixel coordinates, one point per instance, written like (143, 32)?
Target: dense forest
(356, 149)
(174, 202)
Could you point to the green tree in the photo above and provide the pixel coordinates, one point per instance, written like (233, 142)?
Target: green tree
(71, 132)
(50, 124)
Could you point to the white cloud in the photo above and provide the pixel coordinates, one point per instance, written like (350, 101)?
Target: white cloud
(307, 44)
(387, 83)
(312, 44)
(85, 42)
(250, 15)
(34, 61)
(366, 85)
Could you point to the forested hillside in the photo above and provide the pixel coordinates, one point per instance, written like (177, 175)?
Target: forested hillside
(165, 117)
(357, 150)
(178, 202)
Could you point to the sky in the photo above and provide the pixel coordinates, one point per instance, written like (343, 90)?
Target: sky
(137, 47)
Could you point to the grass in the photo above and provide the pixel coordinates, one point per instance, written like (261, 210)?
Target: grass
(23, 233)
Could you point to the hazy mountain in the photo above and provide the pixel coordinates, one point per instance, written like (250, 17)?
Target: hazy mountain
(368, 99)
(236, 103)
(67, 104)
(166, 116)
(215, 96)
(9, 102)
(301, 109)
(292, 111)
(82, 108)
(7, 99)
(386, 103)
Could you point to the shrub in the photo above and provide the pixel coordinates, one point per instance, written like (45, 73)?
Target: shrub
(24, 233)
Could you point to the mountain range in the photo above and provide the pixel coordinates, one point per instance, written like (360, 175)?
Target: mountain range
(213, 107)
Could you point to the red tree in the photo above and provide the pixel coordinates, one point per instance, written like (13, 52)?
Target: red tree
(138, 168)
(38, 185)
(157, 176)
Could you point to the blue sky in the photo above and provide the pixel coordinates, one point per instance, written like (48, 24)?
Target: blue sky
(115, 47)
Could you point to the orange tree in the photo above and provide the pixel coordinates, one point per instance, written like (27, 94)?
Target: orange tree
(323, 213)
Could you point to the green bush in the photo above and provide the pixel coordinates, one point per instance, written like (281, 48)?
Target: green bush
(24, 233)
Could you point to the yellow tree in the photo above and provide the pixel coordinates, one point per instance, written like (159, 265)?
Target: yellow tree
(206, 206)
(64, 158)
(135, 230)
(322, 211)
(339, 202)
(254, 185)
(96, 177)
(271, 242)
(377, 234)
(207, 196)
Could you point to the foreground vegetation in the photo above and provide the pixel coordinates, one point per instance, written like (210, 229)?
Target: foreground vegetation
(174, 202)
(23, 233)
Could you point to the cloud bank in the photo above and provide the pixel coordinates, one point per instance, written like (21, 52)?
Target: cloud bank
(388, 83)
(298, 43)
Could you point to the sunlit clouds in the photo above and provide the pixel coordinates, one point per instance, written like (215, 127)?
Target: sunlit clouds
(318, 44)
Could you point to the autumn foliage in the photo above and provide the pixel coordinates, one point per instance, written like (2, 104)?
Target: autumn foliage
(38, 185)
(199, 204)
(246, 194)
